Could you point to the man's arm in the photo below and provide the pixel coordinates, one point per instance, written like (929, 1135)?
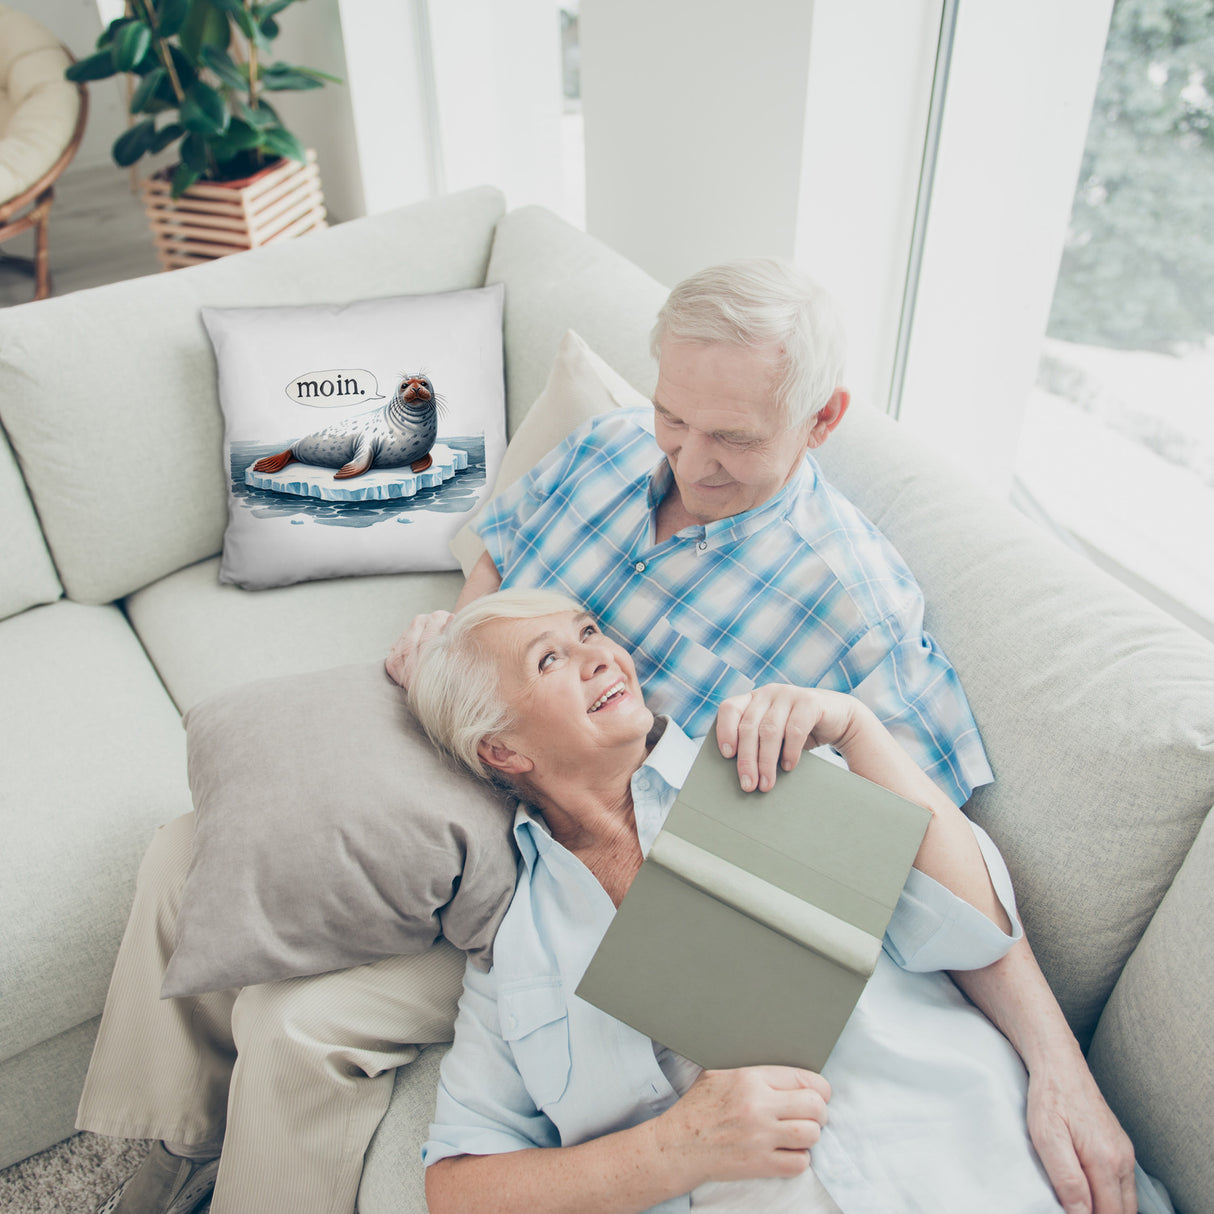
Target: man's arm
(484, 579)
(1087, 1155)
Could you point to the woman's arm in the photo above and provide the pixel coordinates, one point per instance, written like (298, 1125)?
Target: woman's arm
(769, 727)
(730, 1125)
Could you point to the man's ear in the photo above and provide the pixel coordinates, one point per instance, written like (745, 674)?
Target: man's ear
(495, 754)
(829, 416)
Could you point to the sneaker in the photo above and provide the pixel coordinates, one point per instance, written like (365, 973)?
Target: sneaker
(164, 1184)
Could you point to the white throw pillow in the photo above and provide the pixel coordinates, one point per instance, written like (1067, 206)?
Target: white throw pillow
(580, 386)
(331, 413)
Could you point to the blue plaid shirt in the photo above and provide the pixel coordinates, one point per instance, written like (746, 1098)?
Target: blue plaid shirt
(802, 589)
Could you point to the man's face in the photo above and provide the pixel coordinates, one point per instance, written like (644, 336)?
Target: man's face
(716, 419)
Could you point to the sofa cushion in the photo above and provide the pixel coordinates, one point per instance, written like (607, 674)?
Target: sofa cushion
(558, 278)
(1152, 1054)
(93, 759)
(304, 389)
(123, 457)
(328, 833)
(1097, 710)
(204, 637)
(27, 574)
(580, 386)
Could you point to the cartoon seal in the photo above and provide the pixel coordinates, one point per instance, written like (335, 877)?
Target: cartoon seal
(400, 432)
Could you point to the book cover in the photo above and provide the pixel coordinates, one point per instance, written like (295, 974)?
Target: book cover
(755, 921)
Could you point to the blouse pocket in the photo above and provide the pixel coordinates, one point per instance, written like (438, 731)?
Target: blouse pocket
(535, 1023)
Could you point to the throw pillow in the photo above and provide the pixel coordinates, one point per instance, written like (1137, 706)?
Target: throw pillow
(329, 832)
(580, 386)
(357, 436)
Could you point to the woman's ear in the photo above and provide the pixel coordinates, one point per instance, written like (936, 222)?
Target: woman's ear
(496, 754)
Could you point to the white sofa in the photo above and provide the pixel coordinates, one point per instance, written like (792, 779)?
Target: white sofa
(1097, 711)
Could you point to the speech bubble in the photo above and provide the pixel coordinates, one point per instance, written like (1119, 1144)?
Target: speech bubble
(338, 386)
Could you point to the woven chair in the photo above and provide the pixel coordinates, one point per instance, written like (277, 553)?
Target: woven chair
(42, 118)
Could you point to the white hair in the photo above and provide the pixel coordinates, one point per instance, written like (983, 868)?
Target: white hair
(763, 303)
(454, 691)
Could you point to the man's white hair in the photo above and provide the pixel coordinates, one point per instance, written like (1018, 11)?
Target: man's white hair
(455, 692)
(762, 303)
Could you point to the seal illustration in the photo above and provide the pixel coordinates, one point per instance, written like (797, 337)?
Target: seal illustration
(400, 432)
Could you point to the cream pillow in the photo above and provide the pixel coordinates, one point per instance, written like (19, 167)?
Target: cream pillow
(580, 386)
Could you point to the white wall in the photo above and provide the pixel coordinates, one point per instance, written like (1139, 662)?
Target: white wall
(694, 126)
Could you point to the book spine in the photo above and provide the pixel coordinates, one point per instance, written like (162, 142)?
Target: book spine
(802, 922)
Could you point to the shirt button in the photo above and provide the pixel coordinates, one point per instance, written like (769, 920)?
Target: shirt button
(702, 545)
(639, 566)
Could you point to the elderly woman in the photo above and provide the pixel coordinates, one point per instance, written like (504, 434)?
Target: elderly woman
(547, 1103)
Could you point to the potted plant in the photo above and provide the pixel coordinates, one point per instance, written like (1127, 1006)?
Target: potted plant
(201, 71)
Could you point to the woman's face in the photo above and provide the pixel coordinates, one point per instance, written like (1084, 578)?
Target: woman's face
(574, 693)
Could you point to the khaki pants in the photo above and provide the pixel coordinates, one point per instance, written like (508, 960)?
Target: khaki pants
(293, 1076)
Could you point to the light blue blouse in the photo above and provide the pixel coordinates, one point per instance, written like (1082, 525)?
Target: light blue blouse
(928, 1104)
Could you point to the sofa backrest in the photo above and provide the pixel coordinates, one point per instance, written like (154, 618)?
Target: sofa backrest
(558, 278)
(109, 396)
(27, 574)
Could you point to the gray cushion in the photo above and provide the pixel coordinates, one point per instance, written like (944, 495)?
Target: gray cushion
(329, 833)
(1153, 1054)
(1096, 709)
(557, 278)
(27, 575)
(123, 455)
(204, 637)
(92, 760)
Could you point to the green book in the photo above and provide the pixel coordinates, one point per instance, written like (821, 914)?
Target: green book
(757, 918)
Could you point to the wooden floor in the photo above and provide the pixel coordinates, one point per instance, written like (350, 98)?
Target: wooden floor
(98, 234)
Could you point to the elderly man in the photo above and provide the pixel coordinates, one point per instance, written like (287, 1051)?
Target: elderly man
(704, 538)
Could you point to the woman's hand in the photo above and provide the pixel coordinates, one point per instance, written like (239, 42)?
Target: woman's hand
(401, 661)
(750, 1122)
(772, 725)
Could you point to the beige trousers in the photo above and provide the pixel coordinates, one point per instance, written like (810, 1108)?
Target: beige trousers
(293, 1076)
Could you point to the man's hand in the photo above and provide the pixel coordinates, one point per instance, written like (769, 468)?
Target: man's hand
(400, 662)
(1087, 1155)
(750, 1122)
(770, 727)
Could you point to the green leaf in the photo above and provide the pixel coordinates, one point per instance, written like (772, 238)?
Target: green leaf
(281, 142)
(262, 118)
(131, 44)
(186, 71)
(205, 26)
(144, 97)
(95, 67)
(166, 135)
(132, 144)
(171, 16)
(280, 77)
(183, 178)
(271, 9)
(106, 38)
(241, 137)
(268, 28)
(225, 67)
(194, 153)
(203, 111)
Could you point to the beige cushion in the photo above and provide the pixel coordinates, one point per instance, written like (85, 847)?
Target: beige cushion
(580, 386)
(38, 107)
(123, 456)
(1096, 709)
(1153, 1054)
(204, 638)
(27, 575)
(557, 279)
(329, 832)
(92, 761)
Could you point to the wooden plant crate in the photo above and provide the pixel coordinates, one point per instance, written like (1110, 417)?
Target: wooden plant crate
(215, 218)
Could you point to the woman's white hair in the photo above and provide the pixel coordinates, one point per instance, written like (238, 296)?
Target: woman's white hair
(763, 303)
(454, 691)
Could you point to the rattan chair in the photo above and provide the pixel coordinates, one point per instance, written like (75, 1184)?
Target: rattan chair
(42, 117)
